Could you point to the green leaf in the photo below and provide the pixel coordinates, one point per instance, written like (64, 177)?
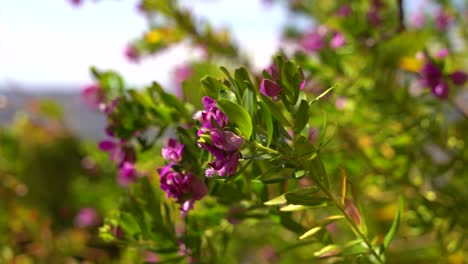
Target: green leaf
(129, 224)
(290, 224)
(302, 117)
(170, 100)
(291, 79)
(310, 160)
(311, 232)
(276, 111)
(227, 94)
(322, 95)
(211, 86)
(294, 207)
(242, 80)
(326, 251)
(267, 118)
(276, 201)
(301, 199)
(274, 179)
(394, 228)
(355, 247)
(237, 115)
(249, 102)
(231, 81)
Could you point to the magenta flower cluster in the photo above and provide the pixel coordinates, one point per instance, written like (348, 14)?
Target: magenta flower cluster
(318, 38)
(94, 96)
(373, 14)
(131, 53)
(432, 77)
(184, 187)
(271, 87)
(124, 157)
(215, 137)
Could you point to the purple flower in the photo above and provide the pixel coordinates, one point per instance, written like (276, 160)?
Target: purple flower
(313, 135)
(86, 217)
(441, 90)
(373, 17)
(226, 140)
(275, 75)
(185, 188)
(222, 144)
(314, 41)
(337, 40)
(418, 20)
(110, 107)
(173, 150)
(273, 71)
(459, 77)
(341, 102)
(76, 2)
(114, 149)
(270, 88)
(132, 54)
(151, 257)
(234, 215)
(182, 73)
(269, 254)
(344, 11)
(442, 20)
(127, 174)
(93, 96)
(224, 165)
(211, 113)
(430, 75)
(442, 53)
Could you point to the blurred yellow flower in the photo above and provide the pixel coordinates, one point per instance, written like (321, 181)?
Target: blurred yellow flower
(154, 36)
(410, 64)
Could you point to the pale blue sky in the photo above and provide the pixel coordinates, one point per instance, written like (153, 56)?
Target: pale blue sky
(46, 42)
(51, 42)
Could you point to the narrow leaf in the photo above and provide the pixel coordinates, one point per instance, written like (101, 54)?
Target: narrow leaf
(311, 232)
(394, 228)
(302, 117)
(299, 199)
(267, 118)
(322, 95)
(294, 207)
(276, 201)
(343, 184)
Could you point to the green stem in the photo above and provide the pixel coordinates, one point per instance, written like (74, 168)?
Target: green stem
(266, 149)
(355, 228)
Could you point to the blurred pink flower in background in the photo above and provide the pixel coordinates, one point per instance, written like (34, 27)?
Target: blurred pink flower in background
(418, 20)
(442, 20)
(76, 2)
(442, 53)
(337, 41)
(93, 96)
(269, 254)
(181, 73)
(151, 257)
(132, 54)
(344, 11)
(341, 102)
(86, 217)
(314, 40)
